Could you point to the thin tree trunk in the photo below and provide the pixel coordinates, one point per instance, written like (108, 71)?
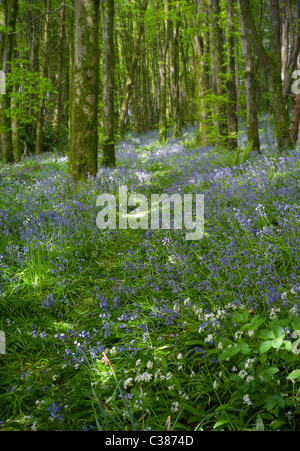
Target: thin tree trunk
(162, 36)
(175, 76)
(252, 117)
(108, 146)
(218, 71)
(132, 69)
(232, 113)
(39, 144)
(58, 76)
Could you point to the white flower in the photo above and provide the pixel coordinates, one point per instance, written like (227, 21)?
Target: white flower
(128, 382)
(174, 406)
(249, 363)
(250, 378)
(179, 356)
(215, 384)
(242, 374)
(246, 400)
(149, 364)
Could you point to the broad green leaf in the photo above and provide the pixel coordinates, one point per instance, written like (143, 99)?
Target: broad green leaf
(294, 375)
(265, 346)
(277, 342)
(266, 334)
(278, 330)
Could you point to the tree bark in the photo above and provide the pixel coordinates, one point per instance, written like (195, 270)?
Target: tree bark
(108, 146)
(218, 71)
(252, 117)
(232, 113)
(174, 73)
(39, 144)
(272, 67)
(162, 37)
(84, 142)
(8, 18)
(58, 76)
(132, 68)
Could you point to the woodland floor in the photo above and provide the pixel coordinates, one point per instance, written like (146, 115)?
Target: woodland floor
(196, 335)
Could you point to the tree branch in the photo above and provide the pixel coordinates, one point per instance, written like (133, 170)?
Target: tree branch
(37, 18)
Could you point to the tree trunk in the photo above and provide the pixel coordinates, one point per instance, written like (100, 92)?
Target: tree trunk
(84, 142)
(108, 146)
(132, 69)
(8, 18)
(162, 37)
(252, 118)
(218, 71)
(232, 113)
(272, 67)
(175, 76)
(39, 144)
(58, 76)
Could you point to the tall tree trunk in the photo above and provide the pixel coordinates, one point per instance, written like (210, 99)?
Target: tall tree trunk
(8, 18)
(71, 43)
(84, 142)
(58, 76)
(108, 147)
(252, 117)
(232, 113)
(201, 69)
(175, 75)
(132, 68)
(39, 144)
(218, 70)
(272, 67)
(162, 37)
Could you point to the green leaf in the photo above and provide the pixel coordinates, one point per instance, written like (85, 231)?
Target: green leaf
(271, 403)
(259, 424)
(265, 346)
(277, 343)
(265, 334)
(294, 375)
(270, 372)
(220, 423)
(229, 352)
(278, 330)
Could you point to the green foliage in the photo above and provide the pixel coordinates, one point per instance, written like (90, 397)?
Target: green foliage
(231, 159)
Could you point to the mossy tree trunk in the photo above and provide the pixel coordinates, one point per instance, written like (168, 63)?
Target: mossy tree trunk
(252, 116)
(8, 18)
(232, 110)
(39, 143)
(84, 140)
(108, 146)
(174, 73)
(162, 38)
(219, 71)
(271, 62)
(201, 67)
(59, 70)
